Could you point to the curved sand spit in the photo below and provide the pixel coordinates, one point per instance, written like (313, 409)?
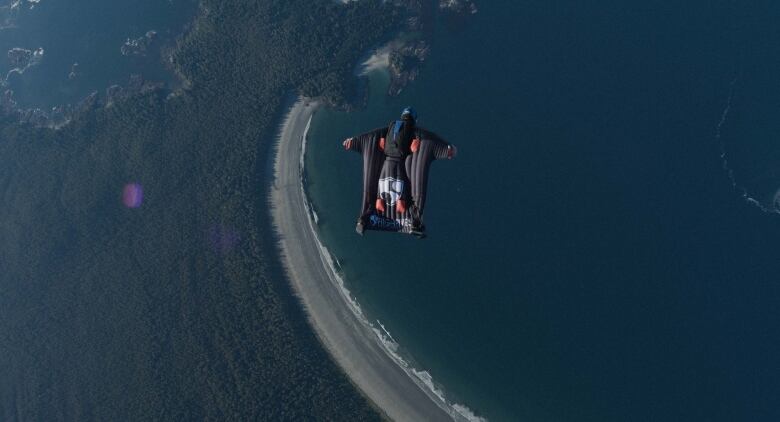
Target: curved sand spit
(350, 341)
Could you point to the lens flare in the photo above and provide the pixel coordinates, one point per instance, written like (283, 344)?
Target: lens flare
(133, 195)
(223, 238)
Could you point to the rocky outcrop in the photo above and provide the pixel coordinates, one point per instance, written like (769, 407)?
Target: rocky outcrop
(138, 46)
(404, 64)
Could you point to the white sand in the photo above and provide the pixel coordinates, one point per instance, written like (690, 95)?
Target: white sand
(350, 342)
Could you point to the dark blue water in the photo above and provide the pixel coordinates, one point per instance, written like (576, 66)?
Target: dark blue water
(588, 257)
(90, 34)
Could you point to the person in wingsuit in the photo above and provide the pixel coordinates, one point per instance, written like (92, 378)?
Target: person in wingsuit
(396, 164)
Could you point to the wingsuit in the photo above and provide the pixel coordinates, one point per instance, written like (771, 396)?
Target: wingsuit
(396, 163)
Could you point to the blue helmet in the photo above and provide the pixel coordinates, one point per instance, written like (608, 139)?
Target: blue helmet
(409, 112)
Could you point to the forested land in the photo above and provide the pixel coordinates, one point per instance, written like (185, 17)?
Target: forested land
(177, 309)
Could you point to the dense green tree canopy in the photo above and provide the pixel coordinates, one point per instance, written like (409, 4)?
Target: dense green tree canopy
(177, 309)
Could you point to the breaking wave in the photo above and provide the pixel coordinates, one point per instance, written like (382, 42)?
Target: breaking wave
(762, 189)
(422, 378)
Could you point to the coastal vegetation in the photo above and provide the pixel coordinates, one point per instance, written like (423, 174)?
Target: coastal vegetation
(174, 308)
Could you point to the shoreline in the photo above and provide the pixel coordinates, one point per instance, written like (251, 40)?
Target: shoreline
(335, 317)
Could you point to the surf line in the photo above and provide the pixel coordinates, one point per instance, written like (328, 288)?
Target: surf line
(422, 378)
(724, 155)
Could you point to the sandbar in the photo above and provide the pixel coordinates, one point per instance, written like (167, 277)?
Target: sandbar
(350, 341)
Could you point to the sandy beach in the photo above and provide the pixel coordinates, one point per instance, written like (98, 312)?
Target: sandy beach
(351, 342)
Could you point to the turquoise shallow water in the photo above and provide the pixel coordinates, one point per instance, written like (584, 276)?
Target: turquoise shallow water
(588, 257)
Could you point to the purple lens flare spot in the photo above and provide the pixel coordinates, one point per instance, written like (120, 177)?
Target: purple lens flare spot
(133, 195)
(223, 239)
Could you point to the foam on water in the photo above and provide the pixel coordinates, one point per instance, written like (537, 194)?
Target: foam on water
(380, 59)
(35, 57)
(771, 209)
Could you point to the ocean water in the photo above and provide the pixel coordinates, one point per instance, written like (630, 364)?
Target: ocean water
(84, 46)
(603, 247)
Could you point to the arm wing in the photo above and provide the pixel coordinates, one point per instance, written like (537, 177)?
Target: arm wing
(367, 144)
(431, 147)
(364, 141)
